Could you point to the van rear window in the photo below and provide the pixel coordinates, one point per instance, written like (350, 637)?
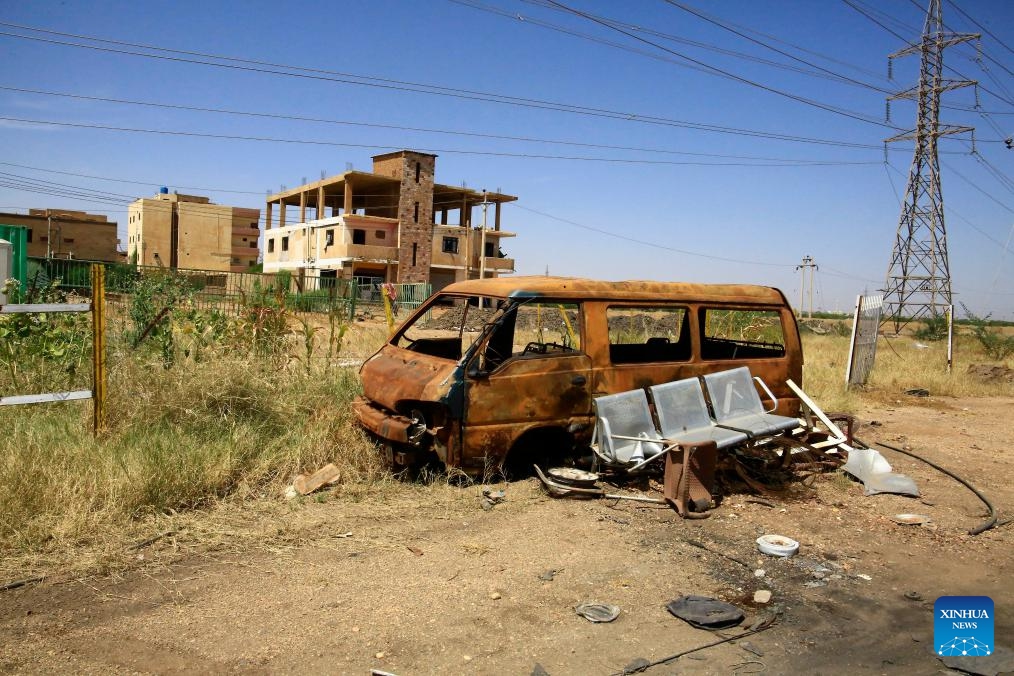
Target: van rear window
(645, 334)
(741, 334)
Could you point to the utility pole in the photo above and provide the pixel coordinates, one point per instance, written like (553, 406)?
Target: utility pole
(802, 267)
(918, 277)
(482, 238)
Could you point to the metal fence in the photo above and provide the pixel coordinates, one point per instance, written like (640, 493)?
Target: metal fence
(863, 348)
(229, 292)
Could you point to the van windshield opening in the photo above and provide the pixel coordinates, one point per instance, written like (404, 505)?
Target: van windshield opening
(448, 325)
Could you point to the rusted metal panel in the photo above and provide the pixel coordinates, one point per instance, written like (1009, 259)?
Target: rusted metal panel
(576, 288)
(395, 375)
(384, 424)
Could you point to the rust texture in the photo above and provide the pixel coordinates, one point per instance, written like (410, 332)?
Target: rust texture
(473, 418)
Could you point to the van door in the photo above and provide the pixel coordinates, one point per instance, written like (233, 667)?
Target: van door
(530, 373)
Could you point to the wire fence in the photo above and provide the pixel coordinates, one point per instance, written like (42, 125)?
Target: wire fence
(229, 292)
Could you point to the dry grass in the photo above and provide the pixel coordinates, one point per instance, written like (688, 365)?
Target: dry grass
(191, 447)
(900, 366)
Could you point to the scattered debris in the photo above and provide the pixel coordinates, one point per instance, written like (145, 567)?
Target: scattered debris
(539, 670)
(491, 498)
(863, 576)
(760, 572)
(917, 392)
(414, 550)
(148, 541)
(762, 596)
(598, 612)
(326, 475)
(496, 596)
(549, 575)
(704, 612)
(20, 583)
(911, 519)
(751, 648)
(342, 535)
(763, 503)
(913, 596)
(777, 545)
(872, 468)
(981, 528)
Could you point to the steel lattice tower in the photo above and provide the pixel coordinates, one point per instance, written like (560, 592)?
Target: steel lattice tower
(919, 278)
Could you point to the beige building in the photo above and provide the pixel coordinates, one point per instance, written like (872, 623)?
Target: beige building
(188, 231)
(393, 224)
(59, 233)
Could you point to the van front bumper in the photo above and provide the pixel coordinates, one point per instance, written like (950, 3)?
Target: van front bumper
(388, 426)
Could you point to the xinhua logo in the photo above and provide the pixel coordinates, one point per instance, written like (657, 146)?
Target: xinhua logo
(963, 626)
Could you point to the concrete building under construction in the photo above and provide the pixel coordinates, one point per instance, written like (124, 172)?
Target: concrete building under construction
(382, 226)
(190, 232)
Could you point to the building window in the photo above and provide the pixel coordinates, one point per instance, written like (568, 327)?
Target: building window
(415, 250)
(68, 240)
(381, 234)
(415, 217)
(254, 225)
(329, 237)
(450, 245)
(490, 250)
(271, 245)
(29, 235)
(43, 239)
(358, 236)
(418, 168)
(285, 243)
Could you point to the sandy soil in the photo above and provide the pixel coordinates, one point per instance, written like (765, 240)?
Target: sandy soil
(428, 582)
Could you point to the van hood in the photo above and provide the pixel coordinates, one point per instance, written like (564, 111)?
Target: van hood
(394, 375)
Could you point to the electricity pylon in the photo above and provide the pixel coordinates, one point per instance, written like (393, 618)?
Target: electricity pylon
(919, 277)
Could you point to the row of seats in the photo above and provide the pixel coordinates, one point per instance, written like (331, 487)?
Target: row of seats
(627, 436)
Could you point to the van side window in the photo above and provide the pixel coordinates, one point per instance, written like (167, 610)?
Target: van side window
(648, 333)
(535, 330)
(741, 334)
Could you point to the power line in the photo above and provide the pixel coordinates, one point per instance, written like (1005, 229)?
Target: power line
(726, 27)
(981, 27)
(251, 65)
(728, 74)
(299, 118)
(449, 151)
(654, 245)
(528, 19)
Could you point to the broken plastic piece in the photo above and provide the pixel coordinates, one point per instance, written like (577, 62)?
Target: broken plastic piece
(777, 545)
(598, 612)
(872, 468)
(705, 613)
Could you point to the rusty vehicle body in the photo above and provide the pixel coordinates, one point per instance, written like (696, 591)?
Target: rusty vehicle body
(520, 383)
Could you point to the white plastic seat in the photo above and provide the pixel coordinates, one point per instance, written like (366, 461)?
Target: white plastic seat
(684, 418)
(737, 405)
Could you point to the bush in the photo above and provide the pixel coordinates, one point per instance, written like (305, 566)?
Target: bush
(996, 345)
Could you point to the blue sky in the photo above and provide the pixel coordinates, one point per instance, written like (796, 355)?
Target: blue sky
(756, 205)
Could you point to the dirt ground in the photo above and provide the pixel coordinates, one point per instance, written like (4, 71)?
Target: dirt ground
(423, 580)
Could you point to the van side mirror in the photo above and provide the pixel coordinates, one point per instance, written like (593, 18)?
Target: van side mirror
(476, 373)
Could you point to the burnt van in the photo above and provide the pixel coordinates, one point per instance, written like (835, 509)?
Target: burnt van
(495, 372)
